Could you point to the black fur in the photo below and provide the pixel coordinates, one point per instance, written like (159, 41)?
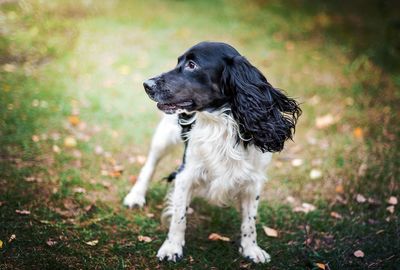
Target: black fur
(212, 75)
(266, 116)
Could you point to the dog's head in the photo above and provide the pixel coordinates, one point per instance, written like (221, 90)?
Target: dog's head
(212, 75)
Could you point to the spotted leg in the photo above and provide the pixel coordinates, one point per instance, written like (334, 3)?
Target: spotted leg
(172, 248)
(248, 244)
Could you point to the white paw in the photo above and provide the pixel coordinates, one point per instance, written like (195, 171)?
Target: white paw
(171, 251)
(256, 254)
(134, 199)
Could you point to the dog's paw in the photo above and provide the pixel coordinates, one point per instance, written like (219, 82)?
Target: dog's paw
(255, 254)
(133, 199)
(170, 251)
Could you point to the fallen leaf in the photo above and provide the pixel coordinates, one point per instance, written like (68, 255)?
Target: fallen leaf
(190, 211)
(50, 242)
(336, 215)
(297, 162)
(305, 208)
(290, 199)
(216, 237)
(270, 232)
(362, 169)
(339, 189)
(23, 212)
(358, 254)
(392, 200)
(56, 149)
(358, 133)
(9, 67)
(70, 142)
(79, 190)
(321, 265)
(145, 239)
(98, 150)
(360, 198)
(325, 121)
(35, 138)
(12, 238)
(315, 174)
(1, 244)
(133, 179)
(141, 159)
(289, 46)
(150, 215)
(191, 260)
(92, 243)
(114, 174)
(30, 179)
(73, 120)
(390, 209)
(118, 168)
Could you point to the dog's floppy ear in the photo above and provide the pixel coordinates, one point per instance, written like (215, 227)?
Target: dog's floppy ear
(266, 117)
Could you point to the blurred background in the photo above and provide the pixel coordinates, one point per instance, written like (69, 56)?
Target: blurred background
(75, 128)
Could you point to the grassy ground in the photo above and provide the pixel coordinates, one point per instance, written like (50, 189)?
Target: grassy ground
(75, 126)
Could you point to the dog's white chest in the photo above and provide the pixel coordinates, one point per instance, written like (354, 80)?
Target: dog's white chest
(222, 168)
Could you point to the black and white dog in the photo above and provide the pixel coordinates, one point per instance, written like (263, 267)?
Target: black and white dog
(231, 120)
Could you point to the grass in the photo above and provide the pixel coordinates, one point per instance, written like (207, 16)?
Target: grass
(88, 60)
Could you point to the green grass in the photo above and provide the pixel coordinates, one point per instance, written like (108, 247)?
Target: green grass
(63, 58)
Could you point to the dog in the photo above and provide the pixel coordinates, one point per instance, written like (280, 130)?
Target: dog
(231, 120)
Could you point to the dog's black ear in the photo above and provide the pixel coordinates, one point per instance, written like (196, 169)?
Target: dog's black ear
(266, 117)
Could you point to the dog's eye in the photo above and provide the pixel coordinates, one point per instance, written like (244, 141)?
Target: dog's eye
(191, 65)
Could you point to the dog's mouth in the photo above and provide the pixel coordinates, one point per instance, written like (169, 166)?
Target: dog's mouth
(175, 107)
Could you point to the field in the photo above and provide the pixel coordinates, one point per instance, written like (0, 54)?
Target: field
(75, 128)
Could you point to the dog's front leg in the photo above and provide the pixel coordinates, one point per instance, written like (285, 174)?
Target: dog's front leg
(248, 244)
(172, 248)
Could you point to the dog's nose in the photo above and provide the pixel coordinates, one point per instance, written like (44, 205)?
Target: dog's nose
(149, 85)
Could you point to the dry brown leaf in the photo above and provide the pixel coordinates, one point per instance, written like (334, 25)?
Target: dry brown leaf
(92, 243)
(70, 142)
(297, 162)
(270, 232)
(35, 138)
(73, 120)
(141, 159)
(23, 212)
(98, 150)
(12, 238)
(321, 266)
(50, 242)
(392, 200)
(133, 179)
(339, 189)
(30, 179)
(79, 190)
(150, 215)
(118, 168)
(336, 215)
(325, 121)
(390, 209)
(56, 149)
(360, 198)
(358, 133)
(358, 254)
(216, 237)
(315, 174)
(145, 239)
(114, 174)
